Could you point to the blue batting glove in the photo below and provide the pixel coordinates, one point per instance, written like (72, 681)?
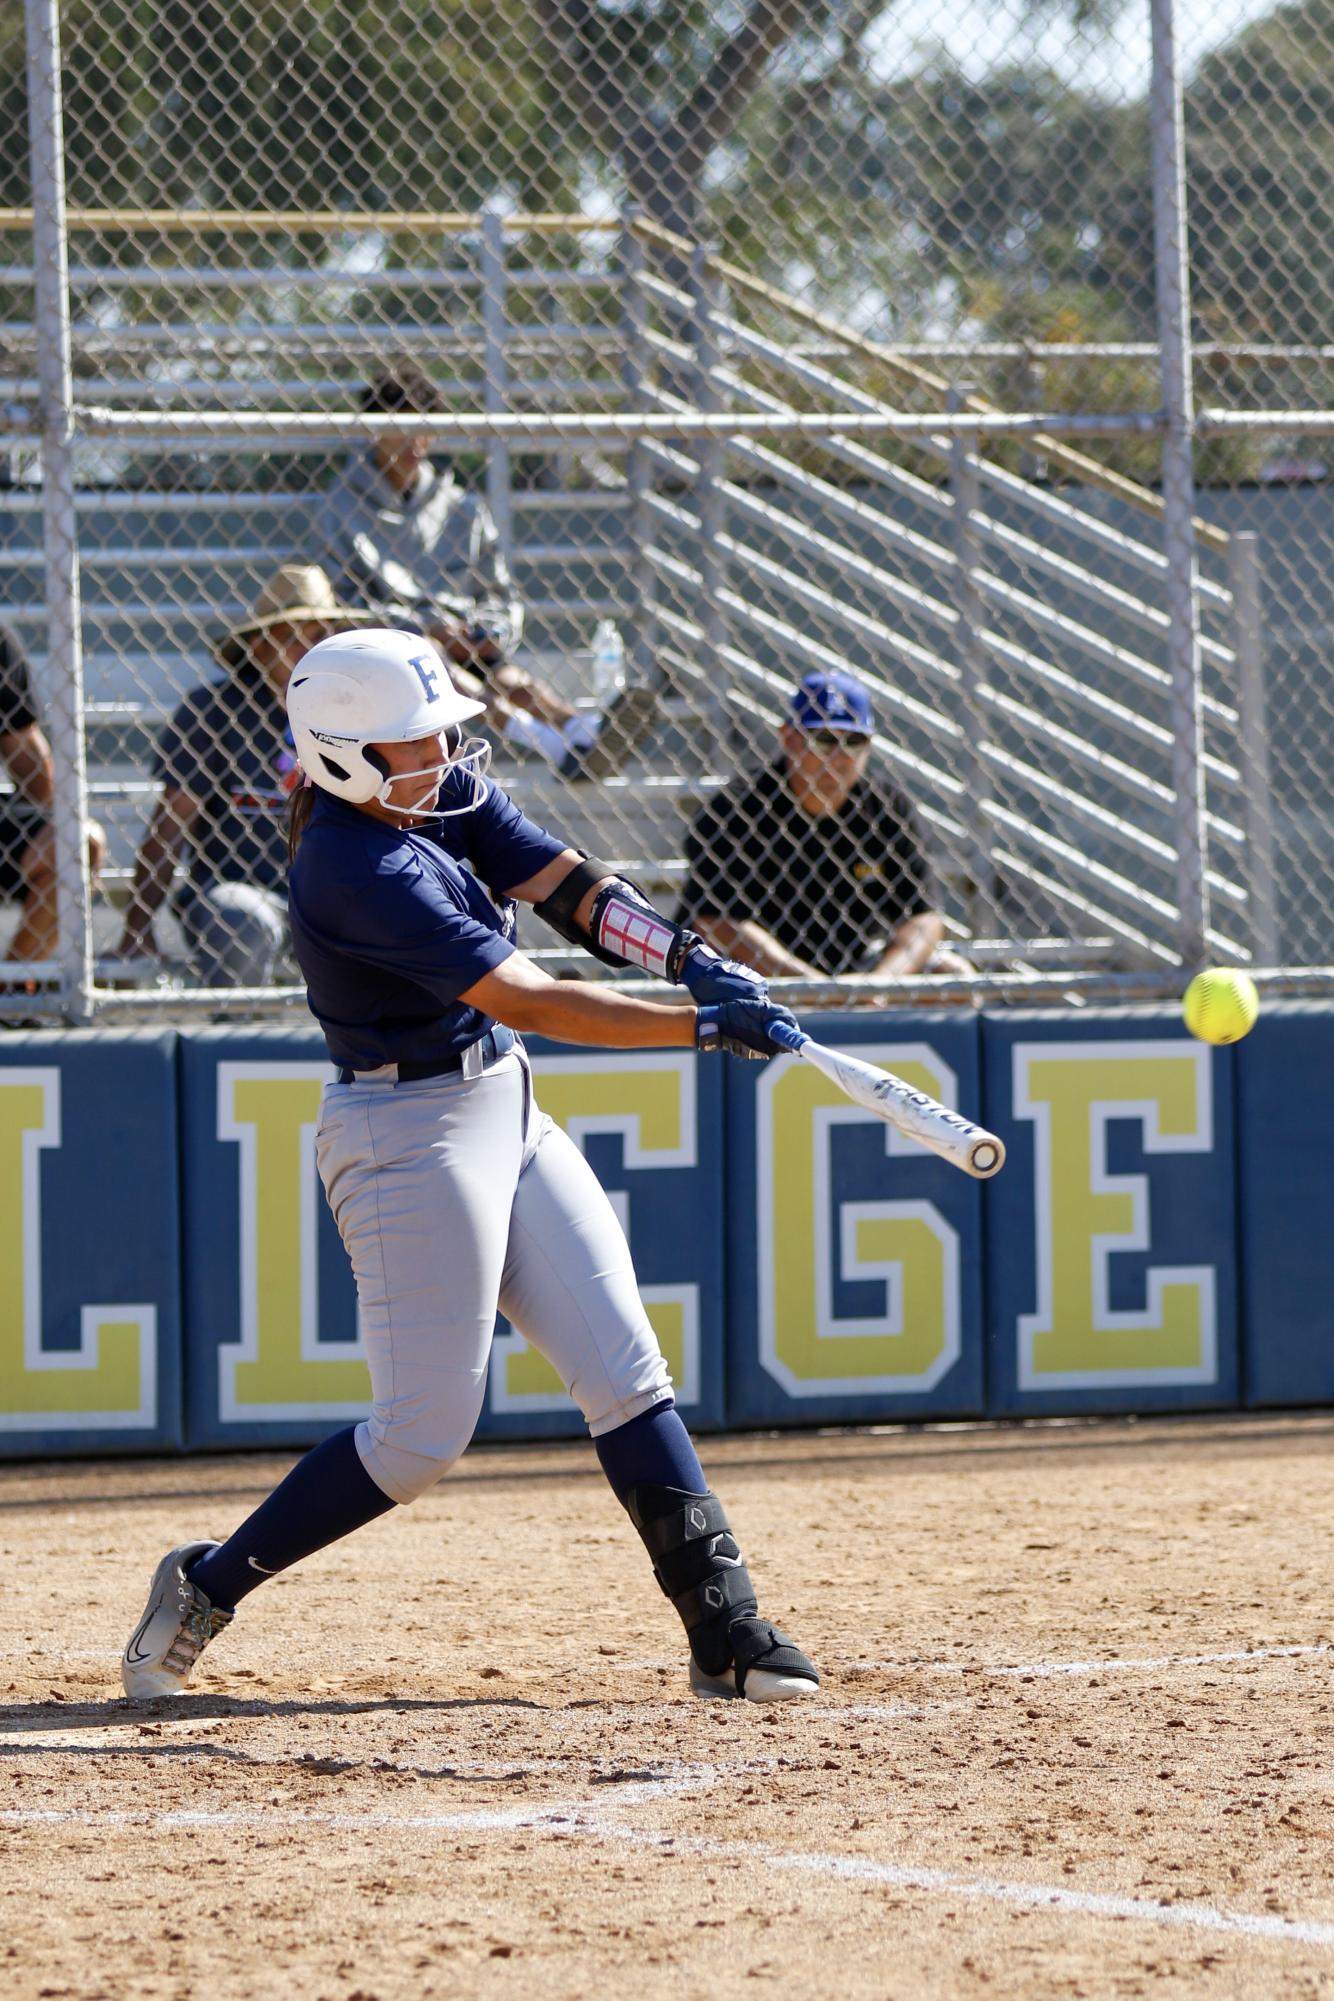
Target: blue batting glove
(709, 979)
(741, 1027)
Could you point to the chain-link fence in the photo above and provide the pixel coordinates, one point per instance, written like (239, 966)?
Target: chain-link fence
(653, 358)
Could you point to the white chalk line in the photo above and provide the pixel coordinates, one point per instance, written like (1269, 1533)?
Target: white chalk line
(574, 1820)
(1034, 1896)
(896, 1712)
(559, 1816)
(1041, 1670)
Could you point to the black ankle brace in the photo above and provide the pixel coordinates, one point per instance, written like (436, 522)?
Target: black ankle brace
(698, 1564)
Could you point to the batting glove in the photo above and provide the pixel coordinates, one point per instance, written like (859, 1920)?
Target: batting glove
(709, 979)
(741, 1027)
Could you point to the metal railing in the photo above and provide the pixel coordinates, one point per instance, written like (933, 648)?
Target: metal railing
(1068, 665)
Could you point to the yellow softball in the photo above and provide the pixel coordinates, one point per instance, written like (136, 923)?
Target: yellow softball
(1220, 1005)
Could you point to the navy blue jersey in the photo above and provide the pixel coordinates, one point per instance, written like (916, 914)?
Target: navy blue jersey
(390, 924)
(228, 746)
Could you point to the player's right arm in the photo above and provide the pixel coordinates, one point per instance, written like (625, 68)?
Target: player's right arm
(529, 1001)
(585, 901)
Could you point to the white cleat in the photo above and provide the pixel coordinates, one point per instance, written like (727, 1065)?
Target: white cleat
(177, 1625)
(760, 1687)
(787, 1677)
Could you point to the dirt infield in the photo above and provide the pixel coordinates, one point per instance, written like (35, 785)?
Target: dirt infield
(1075, 1736)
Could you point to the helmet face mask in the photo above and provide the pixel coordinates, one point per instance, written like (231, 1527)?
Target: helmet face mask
(379, 685)
(469, 757)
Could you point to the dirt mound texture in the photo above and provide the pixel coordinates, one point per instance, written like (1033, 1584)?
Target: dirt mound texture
(1073, 1737)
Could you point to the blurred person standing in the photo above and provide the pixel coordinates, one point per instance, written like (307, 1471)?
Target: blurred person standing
(416, 546)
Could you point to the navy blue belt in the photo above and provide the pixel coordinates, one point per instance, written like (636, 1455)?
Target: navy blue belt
(497, 1042)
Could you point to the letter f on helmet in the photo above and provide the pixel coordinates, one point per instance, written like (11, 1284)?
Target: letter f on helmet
(372, 686)
(428, 673)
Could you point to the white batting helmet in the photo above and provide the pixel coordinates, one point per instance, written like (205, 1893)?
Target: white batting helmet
(377, 685)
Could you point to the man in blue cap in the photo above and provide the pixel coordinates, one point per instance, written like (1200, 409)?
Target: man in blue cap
(813, 865)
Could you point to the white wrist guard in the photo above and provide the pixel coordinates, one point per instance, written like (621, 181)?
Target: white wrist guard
(623, 930)
(630, 931)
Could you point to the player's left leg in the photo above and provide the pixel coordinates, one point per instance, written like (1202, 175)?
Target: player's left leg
(197, 1586)
(427, 1248)
(569, 1287)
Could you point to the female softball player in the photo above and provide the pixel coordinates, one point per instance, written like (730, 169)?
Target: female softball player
(454, 1194)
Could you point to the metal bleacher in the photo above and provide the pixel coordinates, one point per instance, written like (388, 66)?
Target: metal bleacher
(164, 574)
(1012, 631)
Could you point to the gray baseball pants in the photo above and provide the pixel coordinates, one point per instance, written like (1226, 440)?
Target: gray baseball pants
(453, 1196)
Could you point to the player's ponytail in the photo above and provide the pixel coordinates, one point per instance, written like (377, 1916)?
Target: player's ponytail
(300, 806)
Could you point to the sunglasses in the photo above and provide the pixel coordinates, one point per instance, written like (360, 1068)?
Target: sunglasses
(837, 739)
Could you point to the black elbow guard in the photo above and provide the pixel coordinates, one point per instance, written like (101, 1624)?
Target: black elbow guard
(558, 909)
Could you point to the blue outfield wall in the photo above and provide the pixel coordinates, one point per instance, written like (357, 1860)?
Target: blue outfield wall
(1113, 1253)
(90, 1320)
(1285, 1113)
(272, 1353)
(854, 1258)
(1159, 1239)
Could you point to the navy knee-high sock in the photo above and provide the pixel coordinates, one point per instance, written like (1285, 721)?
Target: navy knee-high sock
(652, 1450)
(324, 1497)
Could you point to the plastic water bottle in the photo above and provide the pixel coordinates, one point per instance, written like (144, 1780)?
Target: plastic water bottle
(608, 662)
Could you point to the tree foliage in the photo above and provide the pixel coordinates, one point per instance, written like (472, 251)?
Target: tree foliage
(931, 203)
(397, 103)
(1261, 124)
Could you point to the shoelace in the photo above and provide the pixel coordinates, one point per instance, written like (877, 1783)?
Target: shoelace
(200, 1624)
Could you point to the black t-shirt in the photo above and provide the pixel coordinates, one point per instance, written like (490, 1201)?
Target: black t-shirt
(229, 747)
(831, 889)
(16, 704)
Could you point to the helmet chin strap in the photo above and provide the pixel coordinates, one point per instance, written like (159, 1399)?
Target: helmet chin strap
(471, 763)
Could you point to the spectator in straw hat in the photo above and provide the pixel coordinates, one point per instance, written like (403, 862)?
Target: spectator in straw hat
(226, 765)
(419, 547)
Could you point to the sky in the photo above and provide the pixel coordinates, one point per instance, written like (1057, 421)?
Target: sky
(1112, 62)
